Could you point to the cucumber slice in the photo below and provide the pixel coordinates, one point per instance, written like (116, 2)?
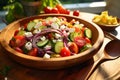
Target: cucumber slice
(30, 26)
(42, 27)
(73, 35)
(42, 43)
(85, 47)
(21, 32)
(88, 33)
(58, 46)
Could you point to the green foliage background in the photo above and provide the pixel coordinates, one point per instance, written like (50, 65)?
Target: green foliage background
(15, 8)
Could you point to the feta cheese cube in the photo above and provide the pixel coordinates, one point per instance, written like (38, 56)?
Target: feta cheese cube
(28, 45)
(46, 55)
(36, 31)
(71, 30)
(47, 47)
(57, 35)
(38, 25)
(62, 27)
(77, 22)
(54, 41)
(43, 38)
(28, 34)
(55, 26)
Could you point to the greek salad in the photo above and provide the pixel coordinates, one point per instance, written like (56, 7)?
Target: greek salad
(52, 37)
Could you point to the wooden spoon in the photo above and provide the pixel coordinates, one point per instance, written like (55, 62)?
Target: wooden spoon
(111, 52)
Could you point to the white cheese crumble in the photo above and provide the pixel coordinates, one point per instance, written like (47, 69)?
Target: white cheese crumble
(28, 34)
(71, 30)
(77, 23)
(57, 35)
(55, 26)
(62, 27)
(43, 38)
(36, 31)
(46, 55)
(38, 25)
(82, 25)
(48, 47)
(54, 40)
(28, 45)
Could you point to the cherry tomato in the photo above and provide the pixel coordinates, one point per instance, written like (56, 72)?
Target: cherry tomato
(50, 36)
(61, 9)
(44, 23)
(47, 9)
(33, 52)
(80, 41)
(25, 26)
(76, 13)
(73, 47)
(83, 29)
(87, 40)
(65, 52)
(67, 11)
(54, 10)
(17, 41)
(18, 49)
(16, 32)
(77, 29)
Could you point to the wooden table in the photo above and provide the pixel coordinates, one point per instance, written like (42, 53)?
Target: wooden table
(109, 70)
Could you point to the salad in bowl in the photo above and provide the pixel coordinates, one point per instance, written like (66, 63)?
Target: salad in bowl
(51, 41)
(52, 37)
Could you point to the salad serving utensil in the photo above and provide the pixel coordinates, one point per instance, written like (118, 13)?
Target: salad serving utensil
(111, 52)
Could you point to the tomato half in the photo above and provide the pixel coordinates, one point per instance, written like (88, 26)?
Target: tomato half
(25, 25)
(17, 41)
(80, 41)
(16, 32)
(87, 40)
(73, 47)
(19, 49)
(33, 52)
(65, 52)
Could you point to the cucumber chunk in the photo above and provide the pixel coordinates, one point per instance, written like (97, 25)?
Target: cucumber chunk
(88, 33)
(85, 47)
(21, 32)
(42, 27)
(58, 46)
(42, 43)
(30, 26)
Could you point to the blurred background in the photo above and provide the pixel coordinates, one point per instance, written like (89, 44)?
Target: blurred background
(11, 10)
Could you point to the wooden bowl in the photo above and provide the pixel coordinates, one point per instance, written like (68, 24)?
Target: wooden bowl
(106, 27)
(52, 63)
